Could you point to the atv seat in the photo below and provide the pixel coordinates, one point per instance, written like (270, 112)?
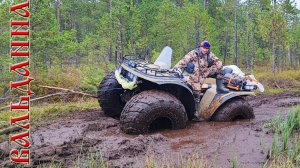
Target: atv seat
(204, 88)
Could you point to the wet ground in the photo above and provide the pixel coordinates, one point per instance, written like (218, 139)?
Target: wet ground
(246, 142)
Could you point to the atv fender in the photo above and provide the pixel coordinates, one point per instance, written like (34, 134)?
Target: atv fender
(184, 94)
(175, 86)
(207, 109)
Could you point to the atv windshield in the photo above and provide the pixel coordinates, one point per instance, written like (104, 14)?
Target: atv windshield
(164, 58)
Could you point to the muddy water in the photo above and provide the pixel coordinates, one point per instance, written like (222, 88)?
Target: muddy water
(245, 141)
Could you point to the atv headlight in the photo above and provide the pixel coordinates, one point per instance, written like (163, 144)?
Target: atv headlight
(130, 76)
(127, 75)
(126, 84)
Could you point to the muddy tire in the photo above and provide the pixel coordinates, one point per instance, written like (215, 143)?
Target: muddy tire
(234, 109)
(151, 110)
(109, 92)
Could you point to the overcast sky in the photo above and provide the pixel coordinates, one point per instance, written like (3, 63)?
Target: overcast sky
(298, 3)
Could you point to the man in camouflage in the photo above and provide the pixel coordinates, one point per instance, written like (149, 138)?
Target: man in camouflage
(203, 63)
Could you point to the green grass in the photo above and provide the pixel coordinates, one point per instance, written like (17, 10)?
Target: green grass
(274, 91)
(84, 78)
(280, 162)
(194, 161)
(95, 160)
(287, 80)
(42, 113)
(285, 151)
(234, 162)
(91, 160)
(281, 90)
(80, 78)
(50, 165)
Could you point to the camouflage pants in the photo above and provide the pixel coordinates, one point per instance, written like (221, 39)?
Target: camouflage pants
(197, 85)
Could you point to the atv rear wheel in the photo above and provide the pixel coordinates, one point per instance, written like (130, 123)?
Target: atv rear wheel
(234, 109)
(151, 110)
(109, 92)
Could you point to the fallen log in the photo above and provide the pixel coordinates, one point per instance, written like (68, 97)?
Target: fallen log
(69, 90)
(66, 92)
(9, 130)
(38, 98)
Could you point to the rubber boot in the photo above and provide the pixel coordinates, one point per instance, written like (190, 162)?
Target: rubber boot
(220, 87)
(196, 116)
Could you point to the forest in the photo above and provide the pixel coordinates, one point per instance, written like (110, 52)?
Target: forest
(81, 40)
(75, 43)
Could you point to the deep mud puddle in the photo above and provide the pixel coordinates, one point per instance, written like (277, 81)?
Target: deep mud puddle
(64, 139)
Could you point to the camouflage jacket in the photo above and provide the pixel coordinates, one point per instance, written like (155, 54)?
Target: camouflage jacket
(203, 66)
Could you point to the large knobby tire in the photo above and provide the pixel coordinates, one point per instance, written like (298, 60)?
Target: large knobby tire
(151, 109)
(237, 108)
(109, 92)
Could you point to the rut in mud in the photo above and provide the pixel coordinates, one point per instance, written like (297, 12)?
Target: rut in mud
(85, 132)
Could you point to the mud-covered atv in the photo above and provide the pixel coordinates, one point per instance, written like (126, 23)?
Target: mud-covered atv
(151, 96)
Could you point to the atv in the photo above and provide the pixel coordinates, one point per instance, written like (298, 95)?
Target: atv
(148, 96)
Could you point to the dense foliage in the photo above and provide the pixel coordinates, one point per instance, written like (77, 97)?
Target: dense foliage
(85, 38)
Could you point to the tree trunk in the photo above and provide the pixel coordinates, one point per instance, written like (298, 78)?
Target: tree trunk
(283, 59)
(253, 56)
(136, 2)
(248, 54)
(110, 52)
(116, 56)
(226, 45)
(110, 29)
(290, 60)
(273, 63)
(235, 35)
(77, 58)
(197, 33)
(58, 17)
(277, 59)
(246, 58)
(204, 4)
(119, 41)
(45, 62)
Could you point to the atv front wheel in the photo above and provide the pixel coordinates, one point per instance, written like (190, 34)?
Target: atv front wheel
(109, 92)
(234, 109)
(151, 110)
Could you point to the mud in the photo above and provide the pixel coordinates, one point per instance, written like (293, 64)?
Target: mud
(82, 133)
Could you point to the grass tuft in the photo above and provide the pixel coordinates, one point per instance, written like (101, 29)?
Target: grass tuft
(195, 161)
(52, 164)
(285, 151)
(91, 160)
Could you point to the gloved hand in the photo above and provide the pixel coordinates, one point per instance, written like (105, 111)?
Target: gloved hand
(185, 78)
(178, 72)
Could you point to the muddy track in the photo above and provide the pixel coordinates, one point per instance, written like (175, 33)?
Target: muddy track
(85, 132)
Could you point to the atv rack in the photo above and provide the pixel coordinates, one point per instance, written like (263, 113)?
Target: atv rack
(132, 57)
(139, 63)
(143, 67)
